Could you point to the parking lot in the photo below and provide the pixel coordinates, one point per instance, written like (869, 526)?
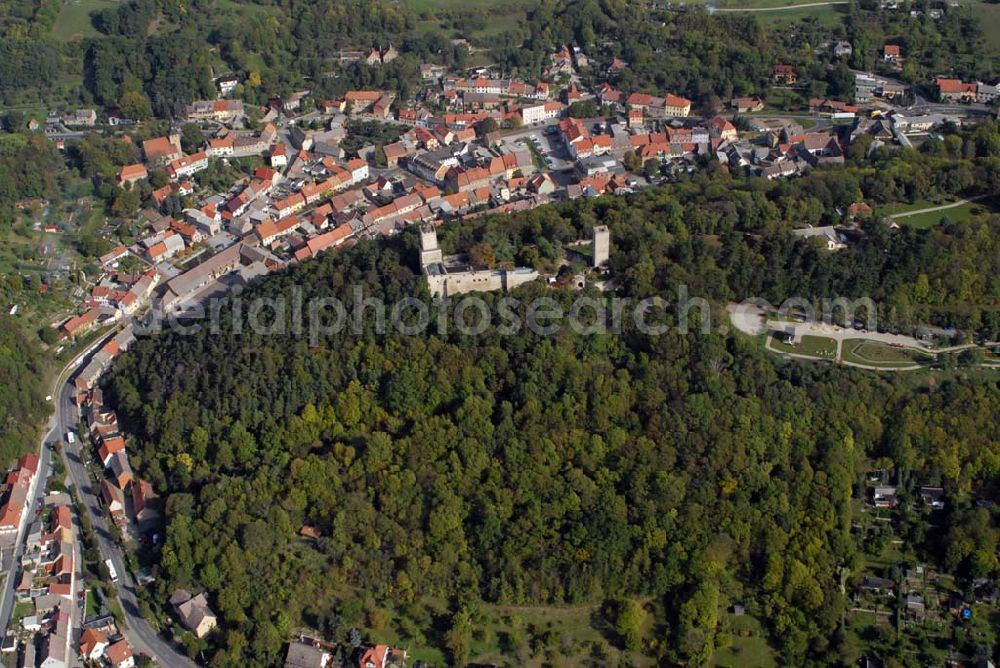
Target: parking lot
(546, 142)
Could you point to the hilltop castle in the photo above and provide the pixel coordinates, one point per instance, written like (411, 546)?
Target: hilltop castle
(453, 275)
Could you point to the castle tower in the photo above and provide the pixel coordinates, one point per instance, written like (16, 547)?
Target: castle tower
(602, 245)
(430, 252)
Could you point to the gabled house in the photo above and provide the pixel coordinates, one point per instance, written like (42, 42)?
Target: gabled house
(119, 655)
(130, 174)
(187, 165)
(744, 105)
(373, 657)
(892, 53)
(92, 645)
(194, 612)
(955, 90)
(114, 501)
(676, 106)
(109, 446)
(785, 75)
(145, 501)
(884, 496)
(161, 150)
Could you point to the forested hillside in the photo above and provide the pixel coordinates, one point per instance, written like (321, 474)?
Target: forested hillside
(687, 469)
(153, 56)
(22, 397)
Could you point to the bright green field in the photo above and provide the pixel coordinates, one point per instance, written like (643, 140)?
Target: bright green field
(862, 351)
(914, 206)
(958, 214)
(74, 18)
(814, 346)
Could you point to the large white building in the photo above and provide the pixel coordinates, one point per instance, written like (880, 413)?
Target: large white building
(539, 113)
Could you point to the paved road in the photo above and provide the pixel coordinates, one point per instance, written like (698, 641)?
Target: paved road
(942, 207)
(141, 636)
(54, 431)
(12, 555)
(776, 9)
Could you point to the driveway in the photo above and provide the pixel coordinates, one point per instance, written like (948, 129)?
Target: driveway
(952, 205)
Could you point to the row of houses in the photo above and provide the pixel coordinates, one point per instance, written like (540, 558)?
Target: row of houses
(308, 652)
(956, 90)
(19, 486)
(47, 583)
(166, 152)
(102, 359)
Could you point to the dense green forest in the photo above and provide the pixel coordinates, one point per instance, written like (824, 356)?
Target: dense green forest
(152, 56)
(688, 470)
(29, 168)
(22, 397)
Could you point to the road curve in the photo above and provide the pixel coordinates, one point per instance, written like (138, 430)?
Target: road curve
(53, 431)
(141, 636)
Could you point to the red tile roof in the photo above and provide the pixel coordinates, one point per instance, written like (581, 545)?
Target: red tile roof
(119, 652)
(955, 86)
(132, 173)
(677, 101)
(158, 147)
(331, 238)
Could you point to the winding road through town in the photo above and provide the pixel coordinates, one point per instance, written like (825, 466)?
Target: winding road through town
(142, 637)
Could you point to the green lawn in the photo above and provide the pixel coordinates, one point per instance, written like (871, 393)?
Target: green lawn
(958, 214)
(751, 652)
(492, 17)
(814, 346)
(93, 607)
(754, 4)
(863, 351)
(74, 18)
(826, 15)
(901, 207)
(539, 636)
(785, 98)
(988, 16)
(21, 610)
(430, 6)
(741, 644)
